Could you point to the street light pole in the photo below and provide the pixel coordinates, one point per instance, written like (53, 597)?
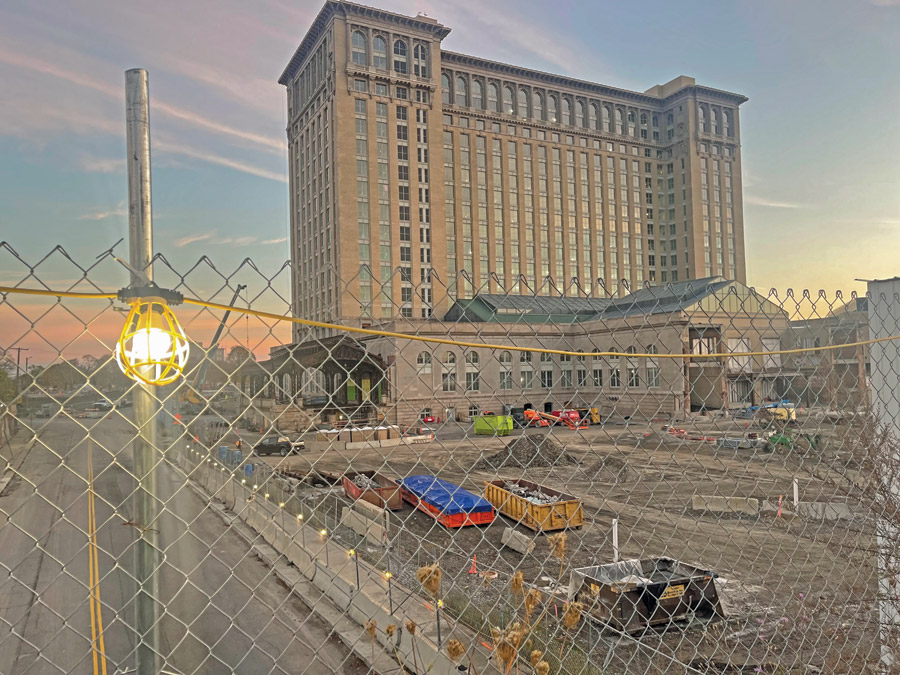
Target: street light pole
(140, 246)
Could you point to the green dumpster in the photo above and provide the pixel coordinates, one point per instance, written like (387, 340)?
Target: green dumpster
(493, 425)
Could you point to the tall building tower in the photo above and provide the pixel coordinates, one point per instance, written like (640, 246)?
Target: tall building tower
(419, 175)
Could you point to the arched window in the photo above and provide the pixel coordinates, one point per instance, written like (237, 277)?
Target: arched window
(379, 53)
(538, 103)
(656, 121)
(594, 119)
(462, 92)
(607, 113)
(704, 120)
(715, 122)
(631, 123)
(473, 375)
(508, 100)
(726, 116)
(448, 372)
(359, 49)
(524, 357)
(472, 359)
(445, 89)
(579, 114)
(423, 363)
(670, 119)
(652, 367)
(566, 117)
(523, 103)
(546, 358)
(401, 54)
(551, 108)
(505, 358)
(420, 61)
(493, 98)
(652, 349)
(619, 126)
(477, 94)
(643, 119)
(630, 117)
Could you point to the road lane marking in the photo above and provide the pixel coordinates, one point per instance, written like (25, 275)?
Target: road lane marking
(94, 569)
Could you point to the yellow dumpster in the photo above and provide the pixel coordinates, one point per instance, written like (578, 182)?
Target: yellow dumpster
(538, 507)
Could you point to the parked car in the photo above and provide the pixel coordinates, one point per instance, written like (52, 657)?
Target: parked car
(273, 445)
(298, 445)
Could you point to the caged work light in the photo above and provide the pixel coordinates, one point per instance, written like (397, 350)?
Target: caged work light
(152, 347)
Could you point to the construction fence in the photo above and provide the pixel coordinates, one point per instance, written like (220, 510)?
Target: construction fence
(695, 477)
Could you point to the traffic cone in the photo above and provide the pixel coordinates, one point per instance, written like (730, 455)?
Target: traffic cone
(474, 568)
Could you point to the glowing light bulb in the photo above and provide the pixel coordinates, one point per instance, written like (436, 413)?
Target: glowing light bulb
(152, 347)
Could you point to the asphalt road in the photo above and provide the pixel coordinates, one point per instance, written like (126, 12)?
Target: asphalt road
(220, 609)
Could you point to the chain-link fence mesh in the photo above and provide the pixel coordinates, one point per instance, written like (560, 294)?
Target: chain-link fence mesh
(329, 501)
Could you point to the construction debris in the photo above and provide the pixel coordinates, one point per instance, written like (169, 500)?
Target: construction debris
(533, 496)
(364, 482)
(528, 451)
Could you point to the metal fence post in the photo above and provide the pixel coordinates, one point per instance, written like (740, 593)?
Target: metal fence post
(140, 244)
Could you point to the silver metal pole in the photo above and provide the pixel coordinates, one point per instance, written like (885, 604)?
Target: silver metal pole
(144, 447)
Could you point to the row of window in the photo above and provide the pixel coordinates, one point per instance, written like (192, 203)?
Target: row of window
(425, 359)
(379, 59)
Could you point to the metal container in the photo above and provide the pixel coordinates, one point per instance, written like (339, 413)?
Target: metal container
(633, 595)
(566, 511)
(223, 453)
(387, 496)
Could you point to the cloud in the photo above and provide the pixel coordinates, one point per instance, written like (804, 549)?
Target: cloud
(280, 240)
(771, 203)
(192, 239)
(213, 158)
(102, 165)
(885, 3)
(120, 211)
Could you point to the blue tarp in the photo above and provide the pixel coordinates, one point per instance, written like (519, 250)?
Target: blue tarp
(449, 498)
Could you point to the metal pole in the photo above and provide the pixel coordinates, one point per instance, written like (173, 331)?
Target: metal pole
(140, 246)
(615, 539)
(796, 494)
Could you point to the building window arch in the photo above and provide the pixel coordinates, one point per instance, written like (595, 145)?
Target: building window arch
(655, 121)
(472, 360)
(506, 358)
(462, 91)
(448, 372)
(493, 98)
(538, 105)
(643, 119)
(594, 120)
(473, 373)
(704, 118)
(619, 122)
(579, 114)
(379, 53)
(423, 363)
(729, 129)
(420, 61)
(525, 357)
(508, 100)
(551, 108)
(607, 113)
(401, 56)
(523, 103)
(359, 49)
(632, 126)
(717, 129)
(445, 88)
(477, 94)
(566, 116)
(546, 357)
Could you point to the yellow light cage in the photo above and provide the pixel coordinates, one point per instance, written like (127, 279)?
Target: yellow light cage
(152, 347)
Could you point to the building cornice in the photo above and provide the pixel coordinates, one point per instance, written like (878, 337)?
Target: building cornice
(350, 9)
(584, 86)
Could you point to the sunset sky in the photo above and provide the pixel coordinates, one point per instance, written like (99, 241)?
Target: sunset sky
(820, 133)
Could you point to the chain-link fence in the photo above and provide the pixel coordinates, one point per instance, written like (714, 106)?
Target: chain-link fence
(683, 478)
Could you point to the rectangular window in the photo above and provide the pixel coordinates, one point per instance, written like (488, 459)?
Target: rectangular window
(403, 153)
(565, 381)
(652, 376)
(615, 379)
(526, 379)
(359, 85)
(598, 377)
(506, 379)
(547, 379)
(473, 381)
(448, 380)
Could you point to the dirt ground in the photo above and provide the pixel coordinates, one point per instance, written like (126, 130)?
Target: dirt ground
(798, 593)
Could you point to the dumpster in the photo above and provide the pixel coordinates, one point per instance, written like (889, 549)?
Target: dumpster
(633, 595)
(372, 487)
(538, 507)
(449, 504)
(493, 425)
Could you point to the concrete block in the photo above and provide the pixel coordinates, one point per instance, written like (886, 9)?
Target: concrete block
(517, 541)
(825, 511)
(363, 526)
(716, 504)
(768, 509)
(374, 513)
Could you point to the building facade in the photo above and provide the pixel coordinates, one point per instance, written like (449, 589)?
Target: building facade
(419, 176)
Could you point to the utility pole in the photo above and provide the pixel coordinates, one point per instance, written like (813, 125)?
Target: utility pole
(18, 351)
(144, 448)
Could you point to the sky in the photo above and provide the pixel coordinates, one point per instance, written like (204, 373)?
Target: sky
(820, 133)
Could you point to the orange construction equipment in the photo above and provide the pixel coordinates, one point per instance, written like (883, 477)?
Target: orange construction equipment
(474, 568)
(564, 420)
(533, 418)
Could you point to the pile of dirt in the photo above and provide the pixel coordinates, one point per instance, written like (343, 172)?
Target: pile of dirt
(527, 451)
(610, 469)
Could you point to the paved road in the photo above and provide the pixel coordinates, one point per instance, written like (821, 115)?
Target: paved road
(220, 608)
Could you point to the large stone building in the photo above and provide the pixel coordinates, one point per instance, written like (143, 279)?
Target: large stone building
(419, 176)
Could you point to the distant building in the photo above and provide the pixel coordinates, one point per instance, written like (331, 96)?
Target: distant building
(420, 176)
(835, 378)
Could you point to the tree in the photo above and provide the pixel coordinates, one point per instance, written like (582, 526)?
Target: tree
(240, 355)
(7, 388)
(89, 363)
